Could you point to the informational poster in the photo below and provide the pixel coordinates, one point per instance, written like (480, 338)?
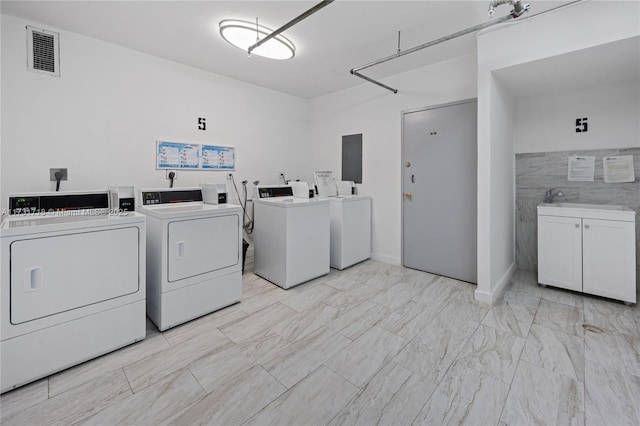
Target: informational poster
(618, 169)
(218, 158)
(188, 156)
(176, 155)
(581, 168)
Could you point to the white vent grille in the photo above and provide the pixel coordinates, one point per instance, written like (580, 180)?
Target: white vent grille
(43, 51)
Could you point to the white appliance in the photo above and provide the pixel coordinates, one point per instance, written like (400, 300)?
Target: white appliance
(214, 193)
(73, 283)
(194, 262)
(290, 236)
(350, 221)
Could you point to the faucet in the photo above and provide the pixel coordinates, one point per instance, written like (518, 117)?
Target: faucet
(550, 195)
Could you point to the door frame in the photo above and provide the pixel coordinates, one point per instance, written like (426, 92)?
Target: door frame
(402, 151)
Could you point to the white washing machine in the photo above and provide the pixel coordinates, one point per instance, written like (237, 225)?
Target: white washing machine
(350, 221)
(73, 283)
(290, 236)
(194, 258)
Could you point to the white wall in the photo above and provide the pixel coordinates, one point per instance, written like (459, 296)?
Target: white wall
(376, 113)
(545, 123)
(580, 26)
(102, 116)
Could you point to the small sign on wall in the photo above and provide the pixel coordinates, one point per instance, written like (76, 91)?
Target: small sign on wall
(581, 168)
(618, 169)
(582, 125)
(189, 156)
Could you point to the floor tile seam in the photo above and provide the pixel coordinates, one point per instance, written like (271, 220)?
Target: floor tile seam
(209, 330)
(557, 329)
(319, 330)
(565, 304)
(504, 405)
(224, 382)
(196, 360)
(622, 370)
(261, 365)
(457, 354)
(349, 381)
(82, 419)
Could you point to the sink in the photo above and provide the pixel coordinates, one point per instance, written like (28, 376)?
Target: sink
(593, 211)
(586, 206)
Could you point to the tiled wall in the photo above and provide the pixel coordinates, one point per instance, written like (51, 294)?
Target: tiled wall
(538, 172)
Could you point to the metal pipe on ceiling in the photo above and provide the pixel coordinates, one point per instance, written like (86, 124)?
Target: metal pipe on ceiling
(518, 11)
(290, 24)
(356, 71)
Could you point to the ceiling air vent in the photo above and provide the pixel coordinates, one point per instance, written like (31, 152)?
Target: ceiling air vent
(43, 51)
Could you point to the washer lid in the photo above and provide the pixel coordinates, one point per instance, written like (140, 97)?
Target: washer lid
(291, 202)
(190, 209)
(346, 198)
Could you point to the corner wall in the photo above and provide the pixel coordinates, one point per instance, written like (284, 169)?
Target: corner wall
(576, 27)
(377, 114)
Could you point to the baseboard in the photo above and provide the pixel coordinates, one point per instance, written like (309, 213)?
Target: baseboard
(385, 259)
(492, 297)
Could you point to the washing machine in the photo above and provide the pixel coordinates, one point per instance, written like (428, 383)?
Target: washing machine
(73, 282)
(290, 236)
(194, 259)
(350, 221)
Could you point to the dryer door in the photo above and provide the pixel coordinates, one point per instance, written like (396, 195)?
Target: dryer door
(54, 274)
(199, 246)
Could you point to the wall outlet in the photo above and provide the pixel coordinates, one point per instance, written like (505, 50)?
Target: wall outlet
(52, 174)
(175, 176)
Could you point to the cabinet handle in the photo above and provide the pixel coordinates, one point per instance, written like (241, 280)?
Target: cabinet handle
(586, 226)
(577, 225)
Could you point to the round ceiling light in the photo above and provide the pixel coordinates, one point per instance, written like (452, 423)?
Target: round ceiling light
(243, 34)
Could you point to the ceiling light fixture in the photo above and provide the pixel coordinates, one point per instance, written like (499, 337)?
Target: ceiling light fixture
(243, 34)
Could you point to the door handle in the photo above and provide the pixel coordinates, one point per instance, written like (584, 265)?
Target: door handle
(180, 249)
(407, 195)
(413, 178)
(33, 279)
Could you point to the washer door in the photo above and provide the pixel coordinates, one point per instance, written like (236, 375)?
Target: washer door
(199, 246)
(54, 274)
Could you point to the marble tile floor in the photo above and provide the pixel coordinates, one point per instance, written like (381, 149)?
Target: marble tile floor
(373, 344)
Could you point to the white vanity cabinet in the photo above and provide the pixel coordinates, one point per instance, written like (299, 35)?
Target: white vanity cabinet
(588, 248)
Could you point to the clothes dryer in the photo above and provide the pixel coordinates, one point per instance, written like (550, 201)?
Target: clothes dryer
(73, 283)
(194, 258)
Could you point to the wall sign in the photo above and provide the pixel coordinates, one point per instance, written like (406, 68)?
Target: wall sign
(188, 156)
(581, 125)
(581, 168)
(175, 155)
(202, 123)
(218, 157)
(618, 169)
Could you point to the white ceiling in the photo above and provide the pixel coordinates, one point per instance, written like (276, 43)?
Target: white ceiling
(341, 36)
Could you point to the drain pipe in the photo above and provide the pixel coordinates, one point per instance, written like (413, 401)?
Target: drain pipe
(290, 24)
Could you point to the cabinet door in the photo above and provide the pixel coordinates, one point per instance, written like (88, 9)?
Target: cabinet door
(560, 252)
(609, 259)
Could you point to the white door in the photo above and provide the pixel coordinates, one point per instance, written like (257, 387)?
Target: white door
(609, 259)
(198, 246)
(560, 252)
(439, 182)
(54, 274)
